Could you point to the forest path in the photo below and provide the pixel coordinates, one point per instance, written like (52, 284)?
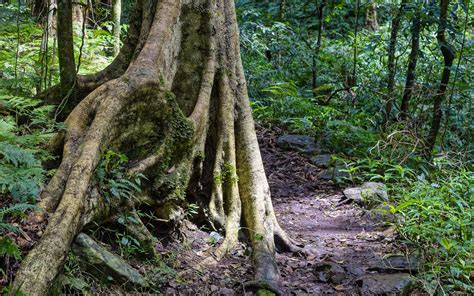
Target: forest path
(342, 242)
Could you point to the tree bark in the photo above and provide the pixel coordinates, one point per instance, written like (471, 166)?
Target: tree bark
(180, 111)
(320, 18)
(116, 14)
(67, 64)
(448, 56)
(371, 21)
(353, 79)
(411, 70)
(282, 10)
(392, 47)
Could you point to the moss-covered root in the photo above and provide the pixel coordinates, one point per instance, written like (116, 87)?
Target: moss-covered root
(226, 187)
(41, 265)
(77, 125)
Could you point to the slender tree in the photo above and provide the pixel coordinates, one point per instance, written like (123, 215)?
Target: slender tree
(371, 21)
(282, 10)
(67, 64)
(320, 19)
(116, 14)
(353, 79)
(392, 47)
(412, 60)
(448, 56)
(175, 101)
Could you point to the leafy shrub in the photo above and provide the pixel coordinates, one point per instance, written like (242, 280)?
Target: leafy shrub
(342, 136)
(438, 221)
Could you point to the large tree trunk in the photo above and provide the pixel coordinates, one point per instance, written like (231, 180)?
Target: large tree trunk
(175, 101)
(448, 55)
(67, 68)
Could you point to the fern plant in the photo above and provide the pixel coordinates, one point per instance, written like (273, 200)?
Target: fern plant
(21, 173)
(112, 178)
(7, 246)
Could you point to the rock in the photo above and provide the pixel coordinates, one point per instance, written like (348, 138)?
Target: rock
(100, 262)
(329, 272)
(354, 270)
(334, 173)
(374, 190)
(303, 144)
(381, 213)
(411, 264)
(368, 194)
(354, 195)
(385, 284)
(322, 161)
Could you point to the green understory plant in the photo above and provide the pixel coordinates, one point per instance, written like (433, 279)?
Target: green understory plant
(112, 177)
(437, 220)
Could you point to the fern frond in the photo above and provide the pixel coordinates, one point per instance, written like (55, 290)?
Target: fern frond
(16, 209)
(9, 248)
(17, 155)
(7, 227)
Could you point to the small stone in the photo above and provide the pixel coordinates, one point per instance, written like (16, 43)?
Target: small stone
(381, 213)
(330, 272)
(301, 143)
(410, 263)
(322, 161)
(385, 284)
(369, 194)
(354, 195)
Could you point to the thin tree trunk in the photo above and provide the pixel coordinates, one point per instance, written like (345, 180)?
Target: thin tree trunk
(282, 10)
(392, 47)
(448, 55)
(456, 73)
(411, 70)
(67, 64)
(353, 79)
(116, 14)
(320, 18)
(371, 21)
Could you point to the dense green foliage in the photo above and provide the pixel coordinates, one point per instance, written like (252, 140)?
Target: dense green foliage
(432, 196)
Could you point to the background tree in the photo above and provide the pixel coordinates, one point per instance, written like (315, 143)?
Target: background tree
(116, 14)
(448, 56)
(395, 25)
(412, 60)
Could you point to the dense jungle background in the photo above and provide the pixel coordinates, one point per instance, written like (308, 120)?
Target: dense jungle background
(345, 95)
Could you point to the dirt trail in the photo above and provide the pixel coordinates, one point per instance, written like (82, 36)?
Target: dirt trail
(307, 209)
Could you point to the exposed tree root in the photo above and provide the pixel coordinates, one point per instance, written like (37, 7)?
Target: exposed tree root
(187, 142)
(255, 286)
